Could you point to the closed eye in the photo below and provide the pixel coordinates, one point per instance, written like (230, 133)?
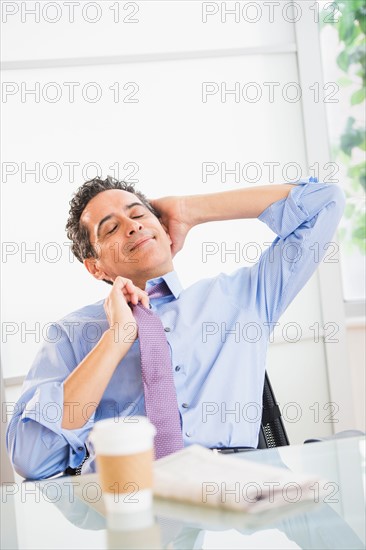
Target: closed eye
(134, 217)
(111, 231)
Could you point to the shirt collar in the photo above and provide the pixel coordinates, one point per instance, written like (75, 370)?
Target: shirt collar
(171, 280)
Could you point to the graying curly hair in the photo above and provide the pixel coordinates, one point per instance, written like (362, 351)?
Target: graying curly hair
(76, 231)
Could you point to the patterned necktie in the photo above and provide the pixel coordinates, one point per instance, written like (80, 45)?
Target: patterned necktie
(160, 395)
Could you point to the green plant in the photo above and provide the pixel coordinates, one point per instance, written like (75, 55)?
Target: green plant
(350, 23)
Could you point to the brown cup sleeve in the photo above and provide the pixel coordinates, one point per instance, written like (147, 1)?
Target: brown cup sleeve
(125, 473)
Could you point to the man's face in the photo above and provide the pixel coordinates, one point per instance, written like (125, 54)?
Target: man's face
(130, 241)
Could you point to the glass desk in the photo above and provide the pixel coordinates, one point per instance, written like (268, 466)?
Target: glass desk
(68, 513)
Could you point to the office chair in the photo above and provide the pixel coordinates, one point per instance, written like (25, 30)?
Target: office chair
(272, 432)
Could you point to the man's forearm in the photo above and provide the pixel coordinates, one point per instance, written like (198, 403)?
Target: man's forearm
(233, 205)
(84, 387)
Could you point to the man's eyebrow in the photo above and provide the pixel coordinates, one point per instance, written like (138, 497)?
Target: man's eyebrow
(109, 216)
(129, 206)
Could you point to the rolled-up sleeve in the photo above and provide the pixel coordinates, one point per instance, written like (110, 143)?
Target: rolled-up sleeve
(37, 444)
(304, 222)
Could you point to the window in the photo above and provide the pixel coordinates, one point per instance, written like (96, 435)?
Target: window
(343, 28)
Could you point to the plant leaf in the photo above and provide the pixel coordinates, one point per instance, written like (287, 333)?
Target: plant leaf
(359, 233)
(343, 61)
(360, 15)
(344, 81)
(347, 29)
(358, 96)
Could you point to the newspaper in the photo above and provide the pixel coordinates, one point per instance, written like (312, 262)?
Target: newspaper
(200, 476)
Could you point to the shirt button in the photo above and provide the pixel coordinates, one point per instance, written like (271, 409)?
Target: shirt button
(167, 329)
(177, 368)
(80, 448)
(188, 434)
(185, 405)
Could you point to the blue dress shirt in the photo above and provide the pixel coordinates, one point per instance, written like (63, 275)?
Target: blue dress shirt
(217, 329)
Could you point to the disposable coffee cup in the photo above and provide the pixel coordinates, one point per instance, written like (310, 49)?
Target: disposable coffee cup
(124, 449)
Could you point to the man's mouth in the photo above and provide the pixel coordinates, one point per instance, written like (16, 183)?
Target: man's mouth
(140, 242)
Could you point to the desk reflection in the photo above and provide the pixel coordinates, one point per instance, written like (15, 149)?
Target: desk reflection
(176, 525)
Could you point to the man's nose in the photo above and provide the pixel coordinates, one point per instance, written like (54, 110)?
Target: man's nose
(133, 226)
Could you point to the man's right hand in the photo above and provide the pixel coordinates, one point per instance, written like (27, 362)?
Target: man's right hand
(86, 384)
(119, 313)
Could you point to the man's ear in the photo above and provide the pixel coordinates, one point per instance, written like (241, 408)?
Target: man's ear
(92, 265)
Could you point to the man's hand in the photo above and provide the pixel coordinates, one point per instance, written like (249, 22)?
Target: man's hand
(175, 217)
(87, 383)
(119, 314)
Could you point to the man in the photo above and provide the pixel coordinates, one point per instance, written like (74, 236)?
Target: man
(89, 368)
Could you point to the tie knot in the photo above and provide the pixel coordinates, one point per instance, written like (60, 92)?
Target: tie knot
(159, 290)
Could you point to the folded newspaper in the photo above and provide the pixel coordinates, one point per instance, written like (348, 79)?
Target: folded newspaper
(198, 475)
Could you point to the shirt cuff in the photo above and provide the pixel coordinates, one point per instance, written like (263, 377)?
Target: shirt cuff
(46, 408)
(286, 215)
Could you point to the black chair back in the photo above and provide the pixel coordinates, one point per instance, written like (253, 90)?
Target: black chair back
(272, 432)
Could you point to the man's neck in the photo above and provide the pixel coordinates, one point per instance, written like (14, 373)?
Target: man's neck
(141, 282)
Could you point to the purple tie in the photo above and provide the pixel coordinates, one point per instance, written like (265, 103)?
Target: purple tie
(160, 395)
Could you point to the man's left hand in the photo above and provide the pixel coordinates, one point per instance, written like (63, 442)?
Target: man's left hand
(174, 217)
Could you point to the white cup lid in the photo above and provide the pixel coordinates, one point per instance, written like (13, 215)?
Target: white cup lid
(125, 435)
